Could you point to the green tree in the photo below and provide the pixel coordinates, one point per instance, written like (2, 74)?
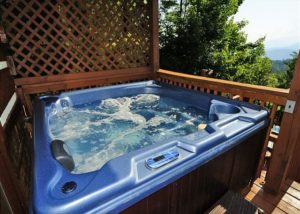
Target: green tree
(201, 34)
(285, 78)
(233, 58)
(189, 29)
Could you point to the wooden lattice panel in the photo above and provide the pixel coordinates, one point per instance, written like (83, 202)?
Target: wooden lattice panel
(71, 36)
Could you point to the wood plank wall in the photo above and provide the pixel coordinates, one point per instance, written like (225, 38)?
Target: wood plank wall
(14, 177)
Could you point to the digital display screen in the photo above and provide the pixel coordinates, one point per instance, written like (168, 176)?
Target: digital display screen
(158, 158)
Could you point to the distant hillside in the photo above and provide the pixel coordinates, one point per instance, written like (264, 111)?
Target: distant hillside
(279, 53)
(278, 65)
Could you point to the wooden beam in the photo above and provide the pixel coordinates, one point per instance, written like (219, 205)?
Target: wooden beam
(35, 85)
(154, 37)
(81, 83)
(287, 139)
(77, 76)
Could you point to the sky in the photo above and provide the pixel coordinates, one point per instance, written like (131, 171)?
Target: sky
(278, 20)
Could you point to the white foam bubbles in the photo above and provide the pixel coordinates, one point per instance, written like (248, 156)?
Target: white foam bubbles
(146, 100)
(98, 132)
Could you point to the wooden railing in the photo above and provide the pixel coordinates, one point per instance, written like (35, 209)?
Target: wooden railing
(273, 99)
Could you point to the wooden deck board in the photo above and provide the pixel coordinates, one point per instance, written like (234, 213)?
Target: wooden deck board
(287, 201)
(273, 201)
(293, 184)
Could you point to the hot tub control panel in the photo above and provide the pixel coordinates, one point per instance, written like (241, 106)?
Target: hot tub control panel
(162, 159)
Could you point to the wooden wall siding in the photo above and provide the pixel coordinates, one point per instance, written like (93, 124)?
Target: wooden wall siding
(272, 98)
(62, 38)
(16, 154)
(15, 147)
(18, 142)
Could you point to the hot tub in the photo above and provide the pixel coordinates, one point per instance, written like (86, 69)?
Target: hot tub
(104, 150)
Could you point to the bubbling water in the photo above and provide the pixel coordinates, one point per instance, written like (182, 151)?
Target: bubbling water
(100, 131)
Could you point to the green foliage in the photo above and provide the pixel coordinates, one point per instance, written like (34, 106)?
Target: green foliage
(278, 65)
(189, 29)
(235, 59)
(285, 77)
(201, 34)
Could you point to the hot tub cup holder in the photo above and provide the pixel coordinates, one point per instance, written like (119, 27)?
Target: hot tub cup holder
(221, 110)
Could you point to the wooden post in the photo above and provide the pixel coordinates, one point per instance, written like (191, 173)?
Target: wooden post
(287, 139)
(154, 38)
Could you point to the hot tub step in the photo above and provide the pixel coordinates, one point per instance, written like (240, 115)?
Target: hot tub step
(232, 203)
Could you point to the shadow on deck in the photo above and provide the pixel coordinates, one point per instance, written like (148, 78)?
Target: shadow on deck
(287, 201)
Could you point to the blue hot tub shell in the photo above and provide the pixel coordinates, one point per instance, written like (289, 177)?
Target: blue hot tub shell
(125, 180)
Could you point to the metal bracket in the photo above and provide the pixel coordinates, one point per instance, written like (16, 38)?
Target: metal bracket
(290, 106)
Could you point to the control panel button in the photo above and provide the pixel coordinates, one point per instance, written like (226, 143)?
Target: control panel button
(162, 159)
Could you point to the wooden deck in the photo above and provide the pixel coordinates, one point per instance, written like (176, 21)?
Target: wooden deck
(288, 201)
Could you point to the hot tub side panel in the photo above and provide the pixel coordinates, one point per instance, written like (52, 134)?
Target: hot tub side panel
(200, 189)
